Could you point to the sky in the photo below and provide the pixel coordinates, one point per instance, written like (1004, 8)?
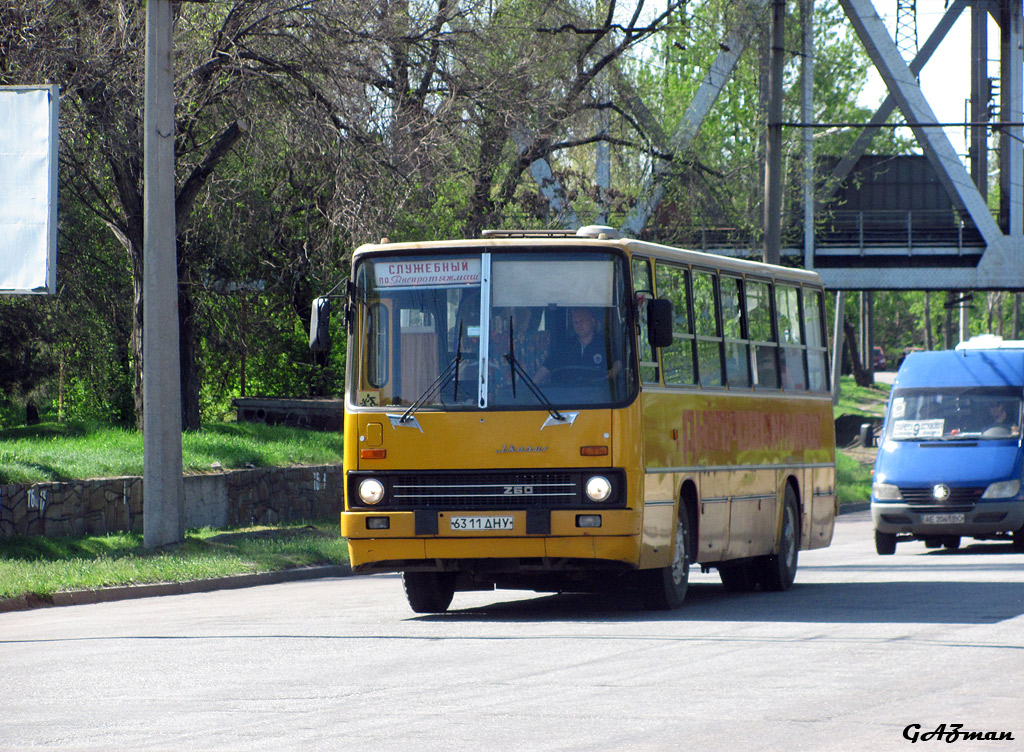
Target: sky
(945, 80)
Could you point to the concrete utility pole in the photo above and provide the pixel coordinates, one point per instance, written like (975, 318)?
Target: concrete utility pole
(773, 151)
(162, 483)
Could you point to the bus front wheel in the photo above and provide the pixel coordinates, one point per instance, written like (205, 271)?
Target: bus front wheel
(429, 592)
(665, 588)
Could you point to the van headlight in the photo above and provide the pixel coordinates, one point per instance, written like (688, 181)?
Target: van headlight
(599, 488)
(1004, 489)
(371, 491)
(886, 492)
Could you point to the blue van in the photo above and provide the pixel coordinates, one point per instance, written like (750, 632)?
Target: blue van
(950, 461)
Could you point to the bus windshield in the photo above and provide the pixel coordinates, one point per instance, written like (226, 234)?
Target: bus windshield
(950, 414)
(554, 332)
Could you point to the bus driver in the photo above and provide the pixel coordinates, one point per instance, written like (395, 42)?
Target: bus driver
(586, 349)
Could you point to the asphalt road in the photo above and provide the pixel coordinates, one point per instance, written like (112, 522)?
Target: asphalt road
(860, 649)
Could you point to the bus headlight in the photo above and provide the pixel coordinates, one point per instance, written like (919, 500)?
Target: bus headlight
(371, 491)
(599, 488)
(1004, 489)
(886, 492)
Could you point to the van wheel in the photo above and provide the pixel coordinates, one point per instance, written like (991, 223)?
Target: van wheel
(885, 543)
(429, 592)
(665, 588)
(1018, 539)
(952, 542)
(777, 572)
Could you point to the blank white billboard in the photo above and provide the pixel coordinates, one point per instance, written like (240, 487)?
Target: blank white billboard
(28, 189)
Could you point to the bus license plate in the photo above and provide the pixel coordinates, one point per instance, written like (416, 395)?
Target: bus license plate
(482, 523)
(942, 519)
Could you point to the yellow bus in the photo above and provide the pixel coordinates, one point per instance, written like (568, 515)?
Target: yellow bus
(582, 412)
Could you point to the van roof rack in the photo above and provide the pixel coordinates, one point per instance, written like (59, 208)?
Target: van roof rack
(990, 342)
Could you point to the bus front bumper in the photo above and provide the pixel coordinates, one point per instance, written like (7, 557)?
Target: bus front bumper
(609, 535)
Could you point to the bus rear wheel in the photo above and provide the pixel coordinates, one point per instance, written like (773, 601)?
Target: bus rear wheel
(429, 592)
(777, 571)
(665, 588)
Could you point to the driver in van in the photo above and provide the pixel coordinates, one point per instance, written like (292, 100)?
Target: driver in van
(999, 417)
(585, 349)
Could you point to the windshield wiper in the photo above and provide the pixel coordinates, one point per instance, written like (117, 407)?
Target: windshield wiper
(437, 384)
(516, 368)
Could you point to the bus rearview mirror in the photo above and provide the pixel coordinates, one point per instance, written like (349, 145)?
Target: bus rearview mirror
(659, 322)
(320, 325)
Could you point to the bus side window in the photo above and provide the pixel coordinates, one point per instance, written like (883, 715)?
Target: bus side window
(814, 335)
(737, 352)
(677, 359)
(762, 336)
(791, 352)
(709, 337)
(648, 358)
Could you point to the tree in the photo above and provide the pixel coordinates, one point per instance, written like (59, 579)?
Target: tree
(226, 56)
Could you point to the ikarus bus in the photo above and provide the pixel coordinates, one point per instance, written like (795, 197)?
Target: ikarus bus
(581, 412)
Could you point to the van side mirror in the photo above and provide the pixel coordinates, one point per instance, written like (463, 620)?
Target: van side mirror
(659, 322)
(320, 325)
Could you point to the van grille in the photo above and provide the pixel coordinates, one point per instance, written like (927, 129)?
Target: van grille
(957, 496)
(527, 489)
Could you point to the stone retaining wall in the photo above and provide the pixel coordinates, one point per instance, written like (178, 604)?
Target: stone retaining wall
(261, 496)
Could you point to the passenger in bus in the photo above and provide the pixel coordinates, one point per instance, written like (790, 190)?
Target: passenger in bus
(586, 350)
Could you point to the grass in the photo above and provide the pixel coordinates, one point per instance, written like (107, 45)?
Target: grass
(853, 480)
(861, 400)
(73, 451)
(853, 470)
(34, 565)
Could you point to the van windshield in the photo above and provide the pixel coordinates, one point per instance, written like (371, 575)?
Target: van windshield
(950, 414)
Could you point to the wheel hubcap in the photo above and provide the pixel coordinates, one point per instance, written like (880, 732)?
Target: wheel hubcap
(789, 539)
(680, 563)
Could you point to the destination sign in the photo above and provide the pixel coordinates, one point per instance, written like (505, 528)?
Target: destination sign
(423, 273)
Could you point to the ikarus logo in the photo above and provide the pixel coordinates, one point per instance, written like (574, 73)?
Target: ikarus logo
(513, 449)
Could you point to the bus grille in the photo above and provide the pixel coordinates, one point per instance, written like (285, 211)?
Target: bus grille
(957, 496)
(486, 490)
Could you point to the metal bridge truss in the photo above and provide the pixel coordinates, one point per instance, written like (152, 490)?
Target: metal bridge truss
(980, 252)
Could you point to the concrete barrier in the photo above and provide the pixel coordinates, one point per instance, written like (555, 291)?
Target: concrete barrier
(254, 496)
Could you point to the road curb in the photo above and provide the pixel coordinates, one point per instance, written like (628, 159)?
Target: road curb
(106, 595)
(857, 506)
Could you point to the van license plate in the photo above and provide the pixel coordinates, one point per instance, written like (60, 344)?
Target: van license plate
(482, 523)
(942, 519)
